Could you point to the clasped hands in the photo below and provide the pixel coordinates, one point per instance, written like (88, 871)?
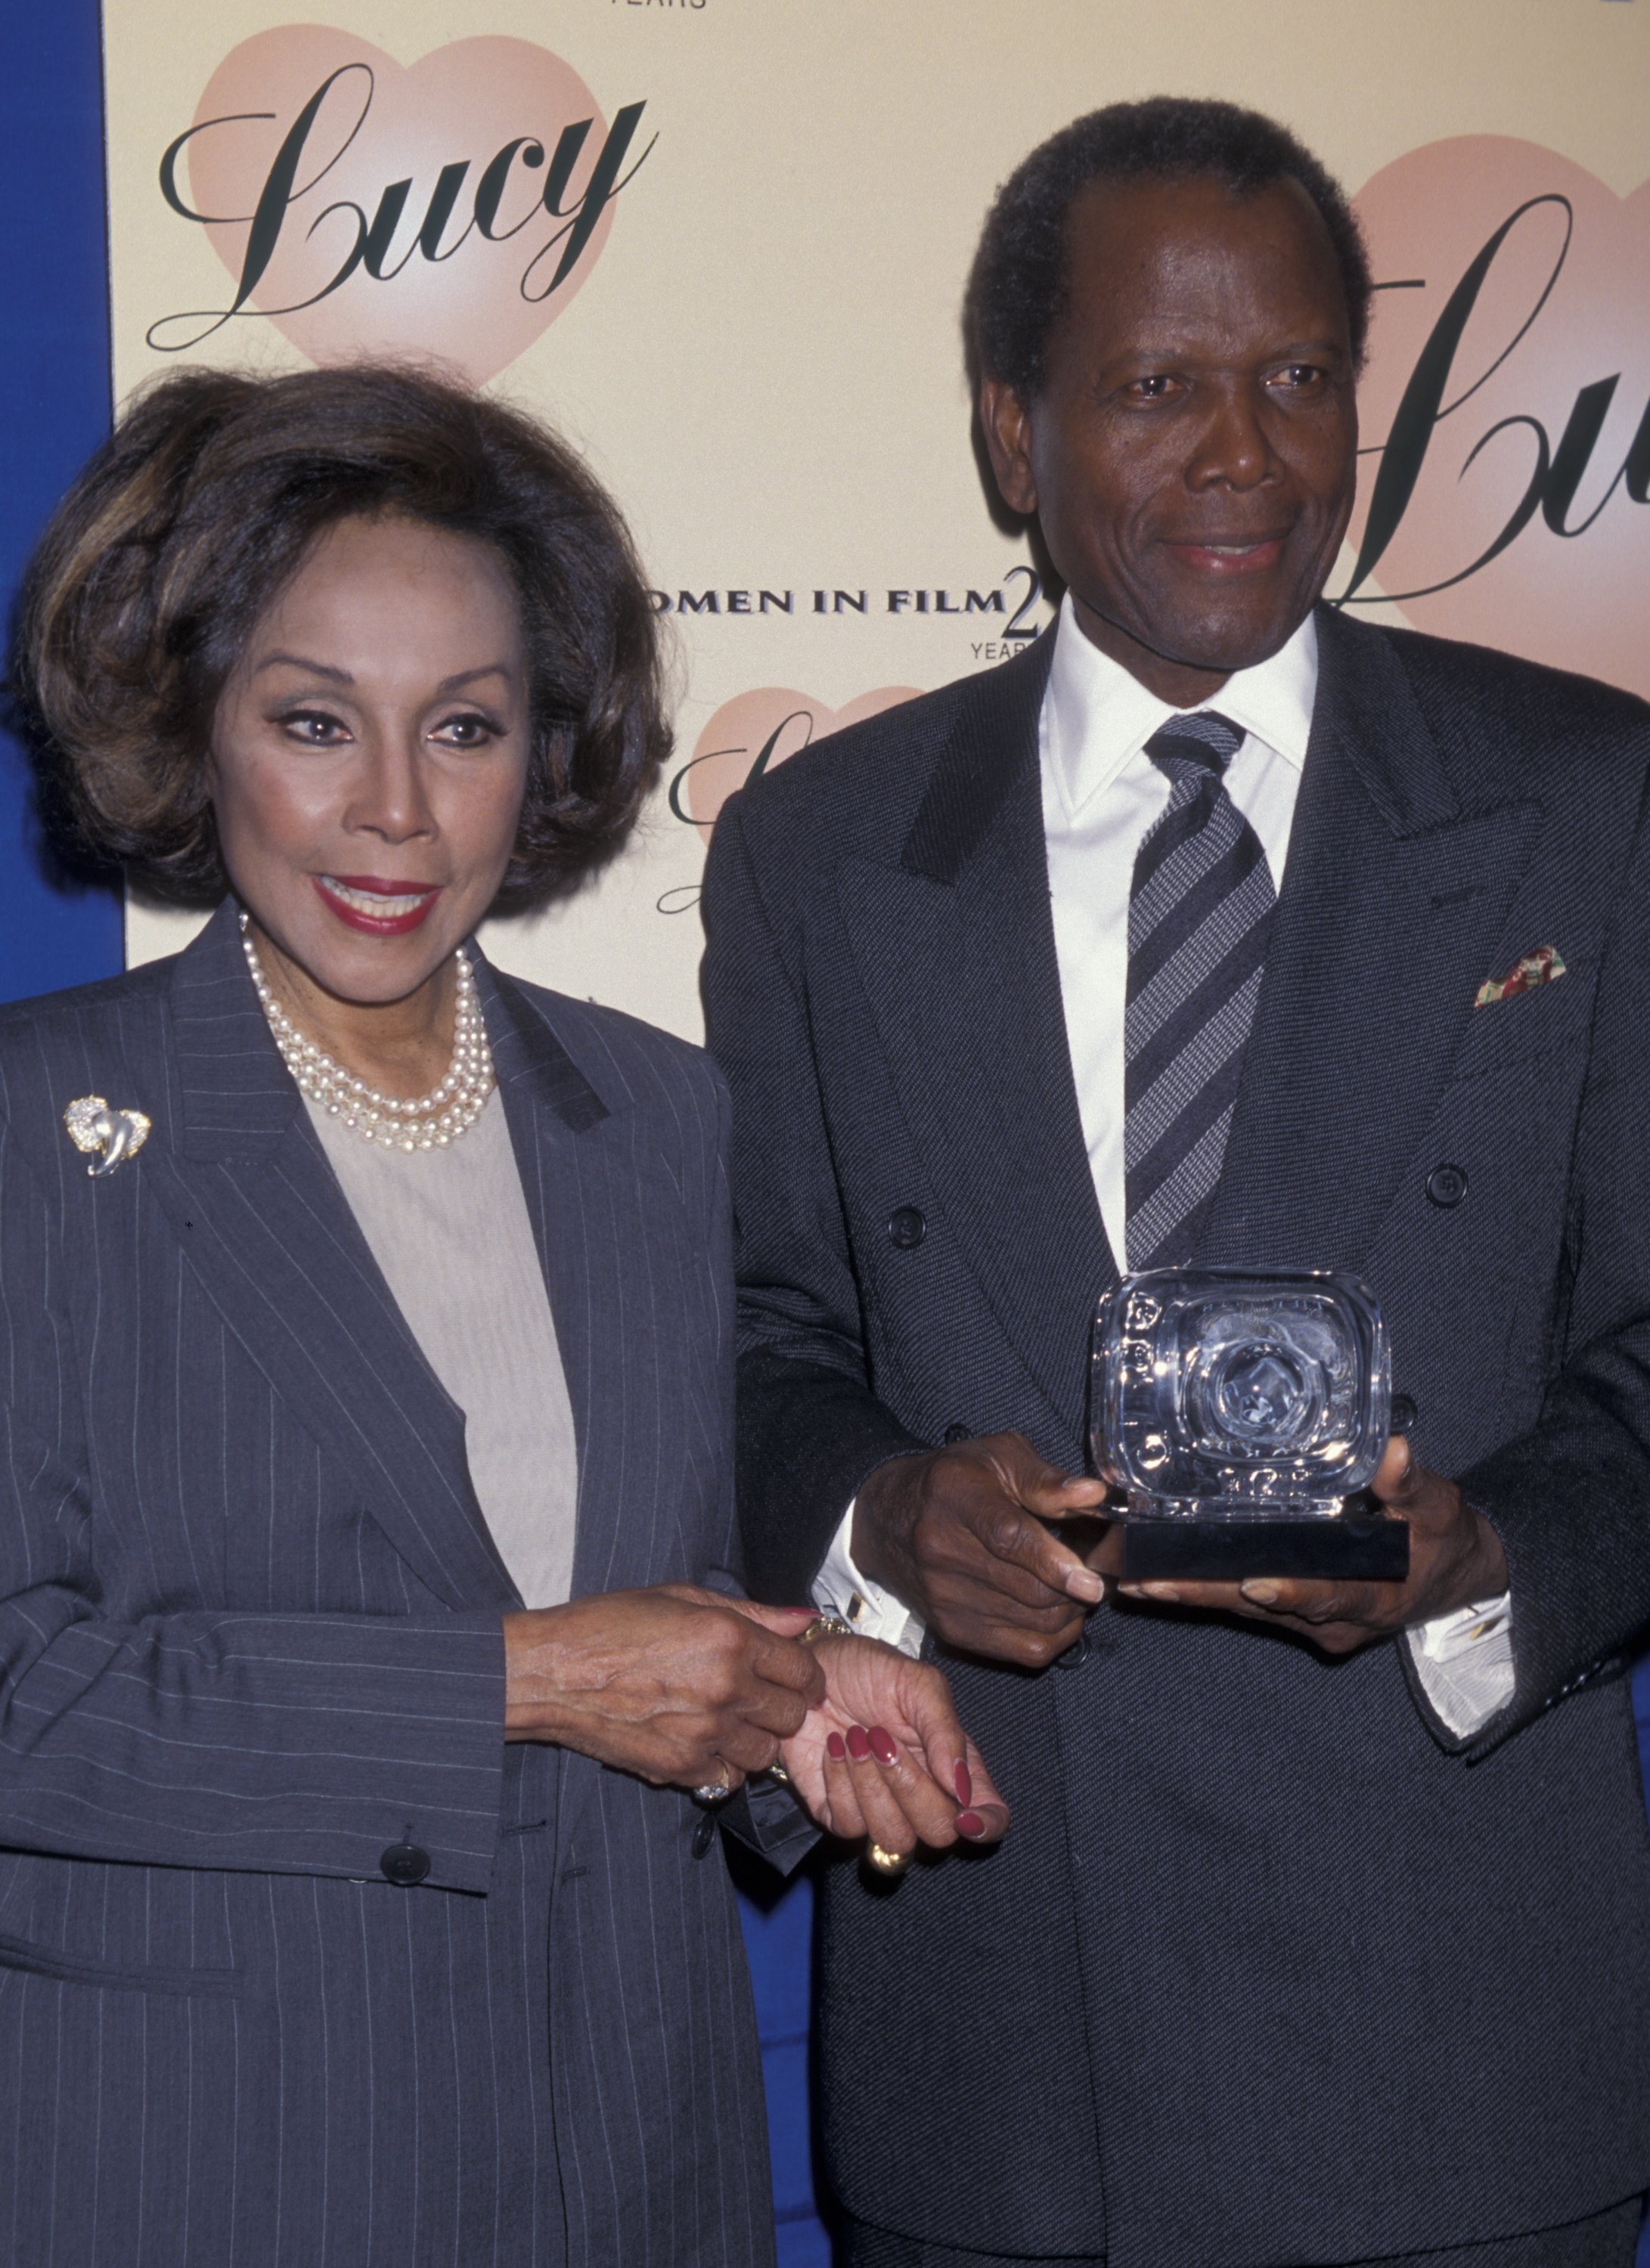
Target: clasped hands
(965, 1537)
(682, 1687)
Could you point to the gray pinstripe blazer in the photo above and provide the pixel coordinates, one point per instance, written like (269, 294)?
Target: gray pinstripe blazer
(249, 1640)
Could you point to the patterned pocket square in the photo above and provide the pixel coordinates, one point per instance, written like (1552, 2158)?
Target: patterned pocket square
(1544, 966)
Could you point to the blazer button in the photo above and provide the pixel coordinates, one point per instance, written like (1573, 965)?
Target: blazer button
(955, 1433)
(906, 1228)
(405, 1865)
(1405, 1415)
(1446, 1185)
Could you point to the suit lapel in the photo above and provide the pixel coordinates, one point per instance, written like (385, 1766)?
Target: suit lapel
(956, 952)
(1393, 900)
(583, 1200)
(585, 1173)
(258, 1210)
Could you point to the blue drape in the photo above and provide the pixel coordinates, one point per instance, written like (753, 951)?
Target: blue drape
(55, 928)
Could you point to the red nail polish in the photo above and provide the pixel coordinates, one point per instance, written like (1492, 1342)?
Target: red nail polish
(882, 1745)
(971, 1823)
(834, 1748)
(859, 1746)
(963, 1782)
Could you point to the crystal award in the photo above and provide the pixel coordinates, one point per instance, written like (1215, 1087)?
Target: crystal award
(1244, 1411)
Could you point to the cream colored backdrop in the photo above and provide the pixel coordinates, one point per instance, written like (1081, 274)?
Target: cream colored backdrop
(758, 344)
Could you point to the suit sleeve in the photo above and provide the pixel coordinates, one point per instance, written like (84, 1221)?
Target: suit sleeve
(1571, 1500)
(809, 1429)
(280, 1743)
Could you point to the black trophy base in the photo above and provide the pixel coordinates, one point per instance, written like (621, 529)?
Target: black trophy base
(1231, 1550)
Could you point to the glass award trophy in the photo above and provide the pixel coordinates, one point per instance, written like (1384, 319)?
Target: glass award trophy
(1244, 1411)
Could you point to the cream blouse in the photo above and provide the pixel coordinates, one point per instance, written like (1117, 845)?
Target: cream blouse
(449, 1229)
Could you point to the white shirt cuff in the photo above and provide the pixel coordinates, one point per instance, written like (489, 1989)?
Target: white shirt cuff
(839, 1588)
(1464, 1661)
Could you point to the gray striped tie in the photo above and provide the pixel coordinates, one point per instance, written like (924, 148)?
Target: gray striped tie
(1199, 915)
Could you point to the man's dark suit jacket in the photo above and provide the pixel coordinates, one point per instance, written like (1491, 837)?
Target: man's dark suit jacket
(250, 1642)
(1271, 1969)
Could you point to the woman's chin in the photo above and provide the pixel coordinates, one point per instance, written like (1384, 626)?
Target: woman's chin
(356, 968)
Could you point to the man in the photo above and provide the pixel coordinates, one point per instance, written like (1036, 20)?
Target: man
(1323, 1931)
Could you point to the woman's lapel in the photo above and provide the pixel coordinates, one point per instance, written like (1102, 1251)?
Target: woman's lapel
(584, 1185)
(262, 1220)
(259, 1212)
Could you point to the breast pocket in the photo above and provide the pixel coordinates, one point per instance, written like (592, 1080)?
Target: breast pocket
(1553, 1019)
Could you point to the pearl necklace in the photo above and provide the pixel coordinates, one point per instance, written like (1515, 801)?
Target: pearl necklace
(429, 1123)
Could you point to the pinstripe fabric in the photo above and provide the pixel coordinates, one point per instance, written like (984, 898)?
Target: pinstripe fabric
(1200, 911)
(249, 1638)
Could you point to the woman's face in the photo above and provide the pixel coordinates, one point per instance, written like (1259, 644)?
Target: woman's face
(370, 754)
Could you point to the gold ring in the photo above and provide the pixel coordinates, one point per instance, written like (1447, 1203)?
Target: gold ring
(825, 1626)
(887, 1862)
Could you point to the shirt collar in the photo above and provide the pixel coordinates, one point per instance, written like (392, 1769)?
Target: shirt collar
(1097, 717)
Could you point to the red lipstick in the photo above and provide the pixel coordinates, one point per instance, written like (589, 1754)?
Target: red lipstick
(401, 908)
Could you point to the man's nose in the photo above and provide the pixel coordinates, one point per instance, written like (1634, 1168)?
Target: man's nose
(390, 797)
(1234, 450)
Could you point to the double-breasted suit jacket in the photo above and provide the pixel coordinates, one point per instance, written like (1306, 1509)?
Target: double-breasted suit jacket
(1271, 1968)
(251, 1664)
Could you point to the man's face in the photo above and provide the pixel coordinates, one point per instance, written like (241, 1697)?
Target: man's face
(1190, 453)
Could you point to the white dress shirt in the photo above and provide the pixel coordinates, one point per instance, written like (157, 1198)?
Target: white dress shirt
(1102, 795)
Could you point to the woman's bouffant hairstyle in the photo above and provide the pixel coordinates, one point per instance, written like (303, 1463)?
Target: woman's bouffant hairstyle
(1018, 286)
(142, 592)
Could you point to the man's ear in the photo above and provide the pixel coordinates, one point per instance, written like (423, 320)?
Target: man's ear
(1006, 425)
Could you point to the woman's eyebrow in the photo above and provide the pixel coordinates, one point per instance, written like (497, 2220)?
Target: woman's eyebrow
(468, 676)
(302, 662)
(462, 677)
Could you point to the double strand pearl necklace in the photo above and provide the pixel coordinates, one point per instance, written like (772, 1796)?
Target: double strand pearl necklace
(429, 1123)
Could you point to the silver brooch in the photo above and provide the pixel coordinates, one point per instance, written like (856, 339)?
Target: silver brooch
(114, 1134)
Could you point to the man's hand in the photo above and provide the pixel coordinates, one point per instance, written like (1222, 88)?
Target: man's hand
(884, 1755)
(677, 1685)
(958, 1535)
(1455, 1558)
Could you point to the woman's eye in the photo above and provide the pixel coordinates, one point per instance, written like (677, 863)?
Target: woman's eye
(314, 727)
(1154, 388)
(467, 730)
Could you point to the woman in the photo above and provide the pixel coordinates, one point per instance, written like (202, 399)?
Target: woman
(363, 1318)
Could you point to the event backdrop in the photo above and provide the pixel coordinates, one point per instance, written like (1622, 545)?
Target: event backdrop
(721, 243)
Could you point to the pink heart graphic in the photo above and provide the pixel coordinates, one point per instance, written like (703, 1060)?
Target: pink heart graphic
(754, 732)
(391, 210)
(1529, 429)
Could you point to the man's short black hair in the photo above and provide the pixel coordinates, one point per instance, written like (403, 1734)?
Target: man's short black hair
(1017, 287)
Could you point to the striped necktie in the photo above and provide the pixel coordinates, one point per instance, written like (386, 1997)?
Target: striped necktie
(1199, 913)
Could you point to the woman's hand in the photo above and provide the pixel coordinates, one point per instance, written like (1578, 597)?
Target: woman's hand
(884, 1755)
(675, 1684)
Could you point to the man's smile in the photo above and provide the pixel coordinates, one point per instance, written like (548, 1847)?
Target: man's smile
(1230, 555)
